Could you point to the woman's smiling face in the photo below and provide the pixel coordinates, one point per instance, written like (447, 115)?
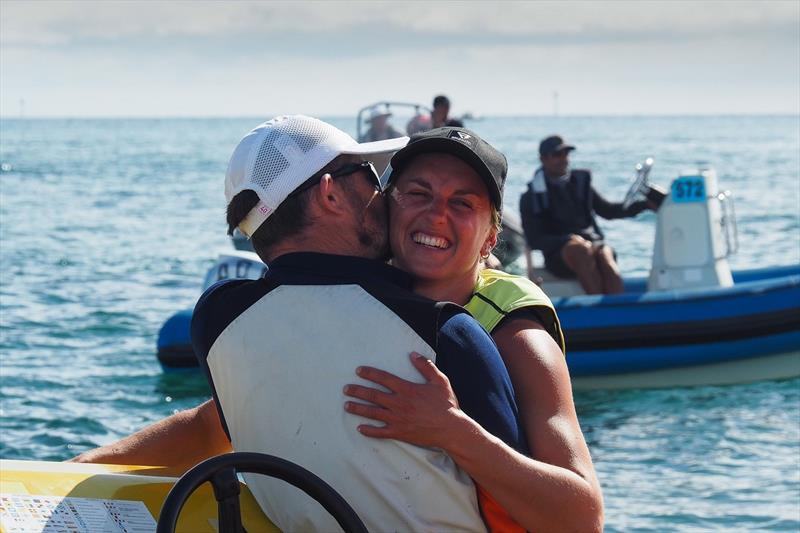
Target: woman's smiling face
(440, 220)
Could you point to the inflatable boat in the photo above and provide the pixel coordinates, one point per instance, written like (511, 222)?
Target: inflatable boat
(691, 322)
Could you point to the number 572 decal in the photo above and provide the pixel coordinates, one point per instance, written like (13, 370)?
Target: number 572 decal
(688, 189)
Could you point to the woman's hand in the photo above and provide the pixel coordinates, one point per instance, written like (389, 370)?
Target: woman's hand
(425, 414)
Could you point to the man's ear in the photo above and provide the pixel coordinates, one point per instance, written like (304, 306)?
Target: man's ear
(330, 196)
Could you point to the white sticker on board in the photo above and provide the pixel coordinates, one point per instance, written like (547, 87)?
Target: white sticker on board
(30, 513)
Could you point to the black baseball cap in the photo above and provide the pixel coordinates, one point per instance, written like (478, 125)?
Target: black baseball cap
(554, 144)
(489, 163)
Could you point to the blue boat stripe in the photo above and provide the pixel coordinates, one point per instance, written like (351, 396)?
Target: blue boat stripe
(682, 333)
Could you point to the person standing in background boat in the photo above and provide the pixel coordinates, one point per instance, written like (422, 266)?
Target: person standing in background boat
(441, 111)
(277, 351)
(379, 127)
(438, 118)
(557, 214)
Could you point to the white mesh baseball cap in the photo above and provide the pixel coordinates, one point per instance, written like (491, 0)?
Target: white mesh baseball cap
(281, 154)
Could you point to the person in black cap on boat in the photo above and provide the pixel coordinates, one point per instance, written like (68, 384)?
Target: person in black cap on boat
(558, 218)
(445, 196)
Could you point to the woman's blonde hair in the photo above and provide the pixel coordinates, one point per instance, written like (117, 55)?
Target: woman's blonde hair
(497, 219)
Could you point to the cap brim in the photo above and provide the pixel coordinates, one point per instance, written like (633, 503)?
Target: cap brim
(559, 148)
(450, 146)
(377, 147)
(381, 151)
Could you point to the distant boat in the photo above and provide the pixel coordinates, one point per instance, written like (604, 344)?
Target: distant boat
(470, 116)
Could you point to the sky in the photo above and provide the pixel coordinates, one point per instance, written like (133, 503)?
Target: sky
(255, 58)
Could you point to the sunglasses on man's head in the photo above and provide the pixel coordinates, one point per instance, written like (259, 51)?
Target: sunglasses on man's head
(345, 170)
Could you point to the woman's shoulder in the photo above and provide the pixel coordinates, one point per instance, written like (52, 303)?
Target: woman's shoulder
(500, 295)
(497, 294)
(512, 288)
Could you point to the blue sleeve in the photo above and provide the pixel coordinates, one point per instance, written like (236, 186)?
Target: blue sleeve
(467, 355)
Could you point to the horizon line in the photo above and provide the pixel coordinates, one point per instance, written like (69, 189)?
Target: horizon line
(474, 118)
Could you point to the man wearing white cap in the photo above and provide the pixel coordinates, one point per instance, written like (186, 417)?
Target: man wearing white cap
(278, 351)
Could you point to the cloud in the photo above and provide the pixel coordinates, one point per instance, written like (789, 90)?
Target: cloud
(49, 23)
(190, 58)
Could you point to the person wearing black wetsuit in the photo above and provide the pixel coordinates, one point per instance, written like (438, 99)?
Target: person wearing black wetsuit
(558, 219)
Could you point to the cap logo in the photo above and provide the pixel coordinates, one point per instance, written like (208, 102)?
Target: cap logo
(289, 148)
(264, 210)
(461, 136)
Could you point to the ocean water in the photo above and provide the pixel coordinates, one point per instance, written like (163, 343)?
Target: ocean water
(108, 226)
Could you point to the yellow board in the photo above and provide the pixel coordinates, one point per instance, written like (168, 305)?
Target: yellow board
(146, 484)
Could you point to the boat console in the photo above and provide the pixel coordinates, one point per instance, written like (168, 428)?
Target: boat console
(695, 234)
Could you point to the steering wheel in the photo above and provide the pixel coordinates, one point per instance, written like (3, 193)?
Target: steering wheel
(221, 472)
(640, 183)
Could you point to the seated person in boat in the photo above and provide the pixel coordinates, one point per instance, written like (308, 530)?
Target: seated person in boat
(278, 351)
(558, 217)
(379, 126)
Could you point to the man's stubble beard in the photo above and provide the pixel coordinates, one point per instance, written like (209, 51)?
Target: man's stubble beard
(373, 229)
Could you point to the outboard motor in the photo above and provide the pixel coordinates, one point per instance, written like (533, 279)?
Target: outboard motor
(695, 233)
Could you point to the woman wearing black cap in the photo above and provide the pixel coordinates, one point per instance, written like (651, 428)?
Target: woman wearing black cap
(445, 197)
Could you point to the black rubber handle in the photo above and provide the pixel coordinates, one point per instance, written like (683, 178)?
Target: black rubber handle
(222, 469)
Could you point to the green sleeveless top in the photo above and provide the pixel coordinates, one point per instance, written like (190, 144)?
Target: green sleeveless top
(497, 294)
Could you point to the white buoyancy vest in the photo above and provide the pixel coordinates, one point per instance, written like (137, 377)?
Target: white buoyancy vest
(279, 383)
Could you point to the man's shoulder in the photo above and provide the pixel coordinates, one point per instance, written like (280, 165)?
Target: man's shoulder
(580, 173)
(220, 305)
(224, 290)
